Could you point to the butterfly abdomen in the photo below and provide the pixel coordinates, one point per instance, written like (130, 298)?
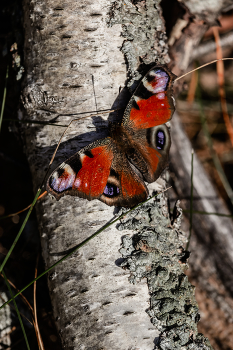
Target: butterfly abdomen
(120, 137)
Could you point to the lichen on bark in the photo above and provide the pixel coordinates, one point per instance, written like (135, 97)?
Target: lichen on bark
(156, 253)
(144, 33)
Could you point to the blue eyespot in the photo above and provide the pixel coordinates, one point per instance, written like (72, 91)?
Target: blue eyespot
(160, 139)
(111, 190)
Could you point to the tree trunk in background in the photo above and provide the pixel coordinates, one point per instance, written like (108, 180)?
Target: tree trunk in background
(66, 44)
(212, 240)
(211, 245)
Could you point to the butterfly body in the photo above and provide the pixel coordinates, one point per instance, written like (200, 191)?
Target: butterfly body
(114, 169)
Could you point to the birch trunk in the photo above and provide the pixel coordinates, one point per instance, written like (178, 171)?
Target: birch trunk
(66, 44)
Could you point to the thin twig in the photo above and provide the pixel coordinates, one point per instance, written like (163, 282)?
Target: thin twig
(21, 295)
(221, 83)
(40, 342)
(97, 113)
(7, 334)
(93, 83)
(192, 88)
(20, 231)
(28, 121)
(215, 158)
(191, 203)
(209, 46)
(4, 98)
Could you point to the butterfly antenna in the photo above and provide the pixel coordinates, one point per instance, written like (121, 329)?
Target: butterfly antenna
(93, 83)
(204, 65)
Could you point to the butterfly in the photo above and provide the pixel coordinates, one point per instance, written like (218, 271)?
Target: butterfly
(114, 169)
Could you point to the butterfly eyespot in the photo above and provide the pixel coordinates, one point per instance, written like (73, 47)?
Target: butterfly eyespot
(62, 179)
(160, 139)
(156, 81)
(111, 191)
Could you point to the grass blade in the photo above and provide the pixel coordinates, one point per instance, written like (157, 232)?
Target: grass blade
(191, 204)
(37, 330)
(20, 231)
(4, 98)
(221, 83)
(17, 310)
(79, 246)
(11, 306)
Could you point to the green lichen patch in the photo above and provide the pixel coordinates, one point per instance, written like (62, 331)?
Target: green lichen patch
(144, 33)
(155, 252)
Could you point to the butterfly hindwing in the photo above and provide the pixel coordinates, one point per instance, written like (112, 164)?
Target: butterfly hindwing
(144, 120)
(152, 147)
(125, 186)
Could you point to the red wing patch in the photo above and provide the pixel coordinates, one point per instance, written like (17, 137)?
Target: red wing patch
(85, 174)
(92, 177)
(154, 111)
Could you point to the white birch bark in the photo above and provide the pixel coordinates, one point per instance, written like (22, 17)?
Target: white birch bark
(68, 42)
(5, 324)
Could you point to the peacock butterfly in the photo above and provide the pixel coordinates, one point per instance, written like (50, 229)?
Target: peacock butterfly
(114, 169)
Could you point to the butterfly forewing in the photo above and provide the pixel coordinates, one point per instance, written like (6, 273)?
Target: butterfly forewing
(85, 174)
(152, 103)
(98, 171)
